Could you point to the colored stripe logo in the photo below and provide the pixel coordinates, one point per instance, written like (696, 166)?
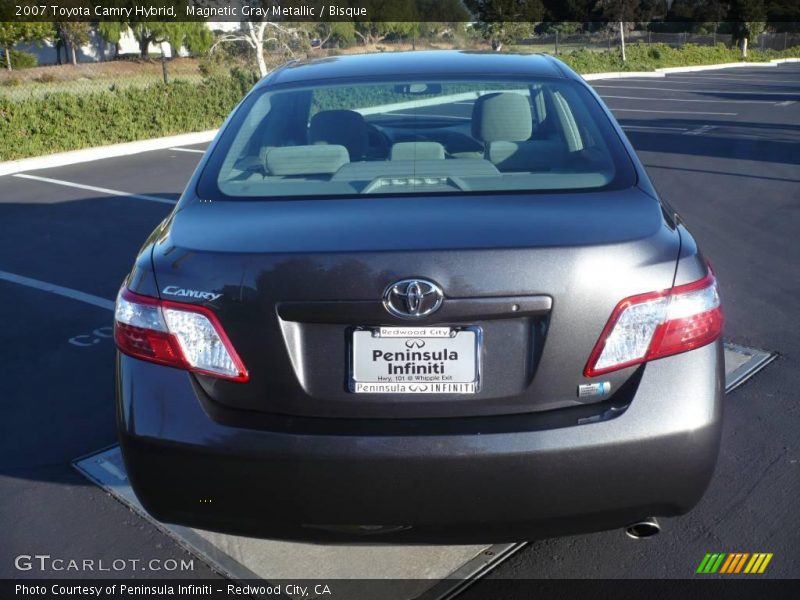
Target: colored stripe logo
(734, 563)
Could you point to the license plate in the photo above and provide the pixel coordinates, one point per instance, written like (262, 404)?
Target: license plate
(415, 360)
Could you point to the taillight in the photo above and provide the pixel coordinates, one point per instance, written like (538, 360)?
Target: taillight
(658, 324)
(178, 335)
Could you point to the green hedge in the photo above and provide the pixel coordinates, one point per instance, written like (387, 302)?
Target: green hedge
(64, 121)
(647, 57)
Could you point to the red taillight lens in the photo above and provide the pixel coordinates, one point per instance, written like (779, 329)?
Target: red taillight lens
(658, 324)
(184, 336)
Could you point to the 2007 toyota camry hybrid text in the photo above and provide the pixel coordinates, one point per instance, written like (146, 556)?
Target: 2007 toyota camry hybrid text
(420, 297)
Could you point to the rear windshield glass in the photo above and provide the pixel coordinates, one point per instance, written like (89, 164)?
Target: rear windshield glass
(417, 137)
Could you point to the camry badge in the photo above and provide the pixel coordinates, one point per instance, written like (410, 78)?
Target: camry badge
(413, 298)
(174, 290)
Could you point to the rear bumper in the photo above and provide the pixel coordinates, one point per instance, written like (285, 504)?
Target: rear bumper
(655, 459)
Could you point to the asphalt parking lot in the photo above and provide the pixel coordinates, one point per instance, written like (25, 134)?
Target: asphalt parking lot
(722, 146)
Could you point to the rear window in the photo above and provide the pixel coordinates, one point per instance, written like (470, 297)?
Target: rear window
(417, 137)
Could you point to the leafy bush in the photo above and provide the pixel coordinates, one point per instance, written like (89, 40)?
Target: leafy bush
(245, 78)
(63, 121)
(59, 121)
(20, 59)
(224, 58)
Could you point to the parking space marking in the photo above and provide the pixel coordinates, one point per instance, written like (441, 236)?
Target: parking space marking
(672, 112)
(87, 340)
(786, 103)
(723, 173)
(651, 127)
(685, 79)
(57, 289)
(701, 130)
(662, 89)
(731, 78)
(429, 115)
(92, 188)
(690, 100)
(189, 150)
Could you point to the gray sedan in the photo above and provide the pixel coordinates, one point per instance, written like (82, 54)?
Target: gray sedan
(420, 297)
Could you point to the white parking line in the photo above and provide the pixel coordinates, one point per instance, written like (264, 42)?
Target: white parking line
(690, 79)
(672, 112)
(651, 127)
(74, 157)
(701, 130)
(92, 188)
(57, 289)
(429, 115)
(189, 150)
(736, 80)
(660, 89)
(690, 100)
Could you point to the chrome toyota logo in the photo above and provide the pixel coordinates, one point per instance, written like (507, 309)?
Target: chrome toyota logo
(413, 298)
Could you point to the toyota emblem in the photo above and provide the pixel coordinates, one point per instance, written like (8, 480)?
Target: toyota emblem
(413, 298)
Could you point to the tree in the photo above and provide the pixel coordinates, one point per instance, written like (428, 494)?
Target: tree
(621, 16)
(748, 18)
(651, 10)
(334, 32)
(505, 21)
(73, 34)
(433, 30)
(287, 36)
(386, 18)
(111, 32)
(563, 27)
(145, 34)
(13, 33)
(614, 11)
(783, 15)
(374, 32)
(193, 35)
(559, 11)
(441, 18)
(697, 15)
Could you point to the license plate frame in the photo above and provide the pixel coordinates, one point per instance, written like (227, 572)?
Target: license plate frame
(362, 378)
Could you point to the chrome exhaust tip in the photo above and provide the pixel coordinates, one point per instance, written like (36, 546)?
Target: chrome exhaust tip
(643, 529)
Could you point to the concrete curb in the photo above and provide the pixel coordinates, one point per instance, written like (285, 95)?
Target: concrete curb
(664, 71)
(90, 154)
(622, 75)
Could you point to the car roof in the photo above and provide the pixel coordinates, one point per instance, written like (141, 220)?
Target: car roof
(418, 65)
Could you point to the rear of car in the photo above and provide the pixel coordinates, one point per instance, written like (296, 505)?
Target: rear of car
(419, 299)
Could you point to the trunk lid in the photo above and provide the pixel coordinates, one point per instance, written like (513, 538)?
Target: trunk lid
(296, 277)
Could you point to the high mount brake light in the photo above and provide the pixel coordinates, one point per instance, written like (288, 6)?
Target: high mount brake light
(658, 324)
(178, 335)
